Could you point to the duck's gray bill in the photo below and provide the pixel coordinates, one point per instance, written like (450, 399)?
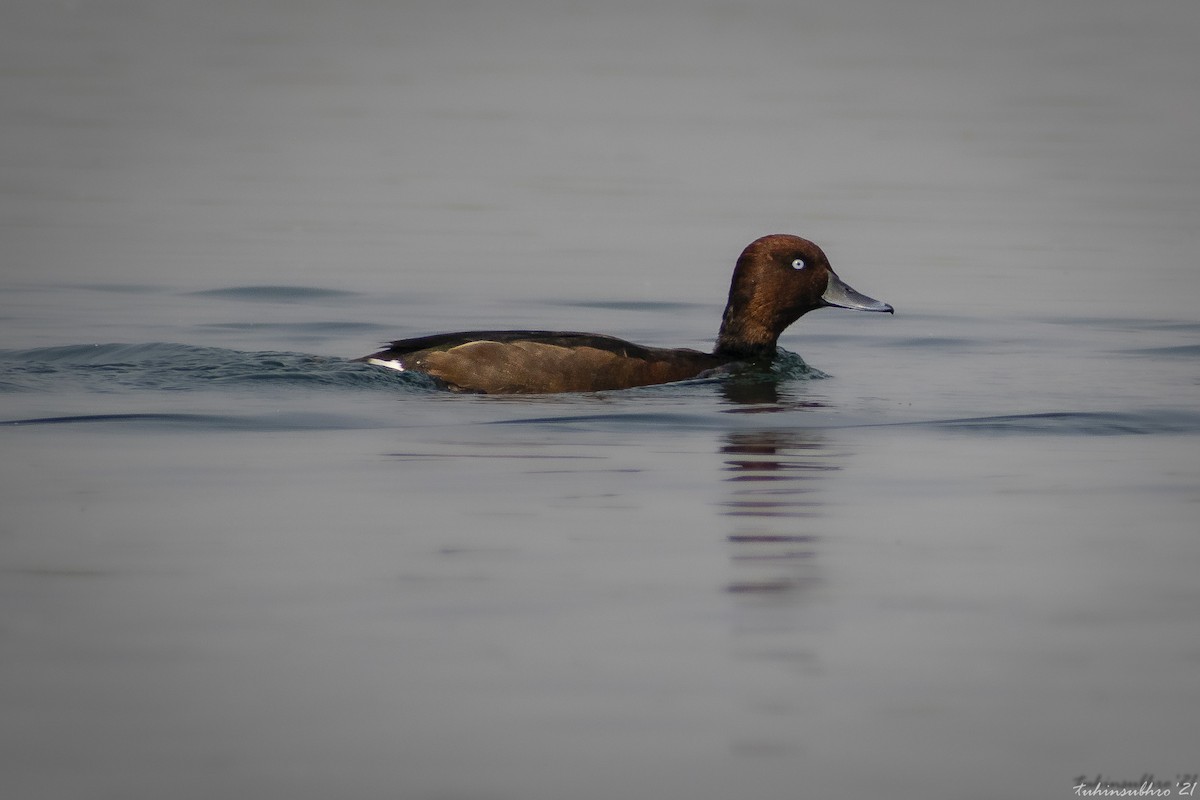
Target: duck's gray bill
(837, 293)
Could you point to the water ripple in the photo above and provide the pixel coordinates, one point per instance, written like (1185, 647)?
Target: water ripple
(277, 294)
(178, 367)
(1089, 423)
(295, 421)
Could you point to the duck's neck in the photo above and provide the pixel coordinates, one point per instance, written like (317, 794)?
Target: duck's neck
(745, 337)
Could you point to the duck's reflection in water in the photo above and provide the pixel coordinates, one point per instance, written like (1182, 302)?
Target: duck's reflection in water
(774, 502)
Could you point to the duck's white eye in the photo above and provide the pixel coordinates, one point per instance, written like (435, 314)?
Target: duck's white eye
(798, 263)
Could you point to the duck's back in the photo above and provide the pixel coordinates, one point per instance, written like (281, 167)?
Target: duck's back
(541, 361)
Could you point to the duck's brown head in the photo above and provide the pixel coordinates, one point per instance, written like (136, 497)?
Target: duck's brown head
(777, 280)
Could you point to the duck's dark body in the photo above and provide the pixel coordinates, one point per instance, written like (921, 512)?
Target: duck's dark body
(515, 362)
(777, 279)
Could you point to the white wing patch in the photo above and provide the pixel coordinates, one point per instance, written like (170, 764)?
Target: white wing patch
(394, 364)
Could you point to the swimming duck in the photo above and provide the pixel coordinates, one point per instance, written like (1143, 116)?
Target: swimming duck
(777, 280)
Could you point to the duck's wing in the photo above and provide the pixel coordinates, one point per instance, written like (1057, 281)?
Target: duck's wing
(447, 341)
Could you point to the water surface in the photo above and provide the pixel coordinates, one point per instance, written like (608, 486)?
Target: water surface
(947, 554)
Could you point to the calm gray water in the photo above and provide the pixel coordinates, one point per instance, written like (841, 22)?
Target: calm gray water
(948, 554)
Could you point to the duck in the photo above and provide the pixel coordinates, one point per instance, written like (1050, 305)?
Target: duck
(776, 280)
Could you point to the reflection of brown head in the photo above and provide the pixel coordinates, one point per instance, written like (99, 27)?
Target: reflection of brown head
(775, 476)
